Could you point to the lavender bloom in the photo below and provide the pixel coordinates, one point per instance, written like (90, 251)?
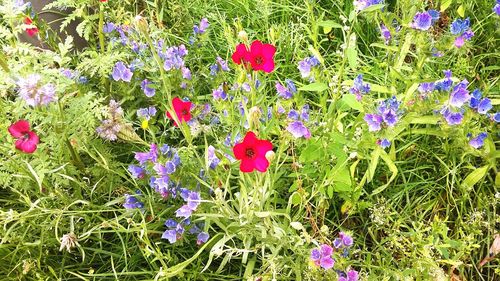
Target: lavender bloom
(478, 141)
(452, 118)
(170, 235)
(136, 172)
(202, 238)
(352, 275)
(219, 93)
(496, 8)
(422, 21)
(459, 26)
(186, 73)
(219, 65)
(294, 115)
(109, 129)
(183, 211)
(131, 202)
(121, 72)
(200, 29)
(297, 129)
(384, 143)
(386, 33)
(108, 27)
(434, 15)
(484, 106)
(212, 158)
(151, 155)
(426, 88)
(193, 200)
(374, 122)
(460, 95)
(173, 57)
(33, 94)
(283, 92)
(68, 73)
(358, 88)
(306, 65)
(347, 240)
(146, 113)
(323, 256)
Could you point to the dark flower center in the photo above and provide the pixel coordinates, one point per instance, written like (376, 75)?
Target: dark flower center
(259, 60)
(250, 152)
(184, 112)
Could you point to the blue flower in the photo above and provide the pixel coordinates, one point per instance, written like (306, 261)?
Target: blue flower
(288, 91)
(146, 113)
(384, 143)
(422, 21)
(202, 27)
(459, 26)
(434, 15)
(478, 141)
(219, 93)
(108, 27)
(386, 33)
(426, 88)
(374, 122)
(306, 65)
(136, 171)
(131, 202)
(121, 72)
(358, 88)
(148, 91)
(202, 238)
(170, 235)
(297, 129)
(212, 158)
(460, 94)
(484, 106)
(452, 118)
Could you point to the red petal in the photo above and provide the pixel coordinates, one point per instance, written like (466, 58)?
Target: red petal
(261, 164)
(247, 165)
(263, 146)
(32, 31)
(250, 139)
(241, 54)
(27, 20)
(268, 51)
(268, 65)
(256, 47)
(177, 103)
(239, 151)
(28, 145)
(19, 129)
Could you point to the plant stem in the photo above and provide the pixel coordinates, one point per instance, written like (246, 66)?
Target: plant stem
(101, 26)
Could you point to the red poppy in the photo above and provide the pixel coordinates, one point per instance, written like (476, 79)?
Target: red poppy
(31, 31)
(252, 153)
(26, 139)
(241, 55)
(182, 110)
(262, 56)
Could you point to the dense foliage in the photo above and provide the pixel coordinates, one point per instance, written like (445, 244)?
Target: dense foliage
(250, 140)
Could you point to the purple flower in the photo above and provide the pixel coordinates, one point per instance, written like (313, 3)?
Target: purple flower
(148, 91)
(212, 158)
(170, 235)
(306, 65)
(323, 256)
(445, 84)
(386, 33)
(200, 29)
(146, 113)
(496, 9)
(193, 200)
(33, 94)
(297, 129)
(484, 106)
(434, 15)
(496, 117)
(384, 143)
(173, 57)
(109, 129)
(422, 21)
(108, 27)
(390, 117)
(346, 239)
(374, 122)
(219, 93)
(152, 155)
(183, 211)
(136, 171)
(478, 141)
(352, 275)
(363, 4)
(283, 92)
(453, 118)
(459, 26)
(186, 73)
(426, 88)
(202, 238)
(358, 88)
(121, 72)
(460, 94)
(131, 202)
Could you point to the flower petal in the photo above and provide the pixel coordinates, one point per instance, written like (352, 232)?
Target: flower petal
(19, 128)
(247, 165)
(261, 163)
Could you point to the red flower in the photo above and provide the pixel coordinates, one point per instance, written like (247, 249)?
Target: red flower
(262, 56)
(241, 55)
(182, 110)
(252, 153)
(26, 139)
(103, 1)
(31, 31)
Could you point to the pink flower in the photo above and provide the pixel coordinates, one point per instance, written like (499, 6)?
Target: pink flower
(31, 31)
(26, 140)
(252, 153)
(262, 56)
(241, 55)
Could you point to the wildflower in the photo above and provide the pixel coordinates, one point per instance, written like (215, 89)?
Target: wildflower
(131, 202)
(170, 235)
(186, 73)
(496, 8)
(262, 56)
(219, 93)
(346, 239)
(31, 30)
(374, 122)
(121, 72)
(297, 129)
(462, 29)
(460, 94)
(109, 129)
(426, 88)
(146, 113)
(241, 55)
(386, 33)
(422, 21)
(384, 143)
(363, 4)
(213, 161)
(445, 84)
(34, 94)
(202, 27)
(358, 88)
(193, 199)
(202, 238)
(252, 153)
(27, 140)
(136, 171)
(352, 275)
(151, 155)
(182, 110)
(434, 15)
(173, 57)
(108, 27)
(323, 256)
(305, 66)
(68, 241)
(478, 141)
(496, 117)
(451, 117)
(288, 91)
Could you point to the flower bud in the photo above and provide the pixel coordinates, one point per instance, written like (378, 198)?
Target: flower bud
(255, 115)
(141, 24)
(243, 36)
(270, 156)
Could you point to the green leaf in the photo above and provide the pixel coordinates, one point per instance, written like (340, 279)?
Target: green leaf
(383, 46)
(312, 152)
(351, 101)
(314, 87)
(328, 25)
(461, 10)
(475, 176)
(373, 8)
(373, 163)
(296, 199)
(445, 4)
(404, 51)
(352, 56)
(392, 168)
